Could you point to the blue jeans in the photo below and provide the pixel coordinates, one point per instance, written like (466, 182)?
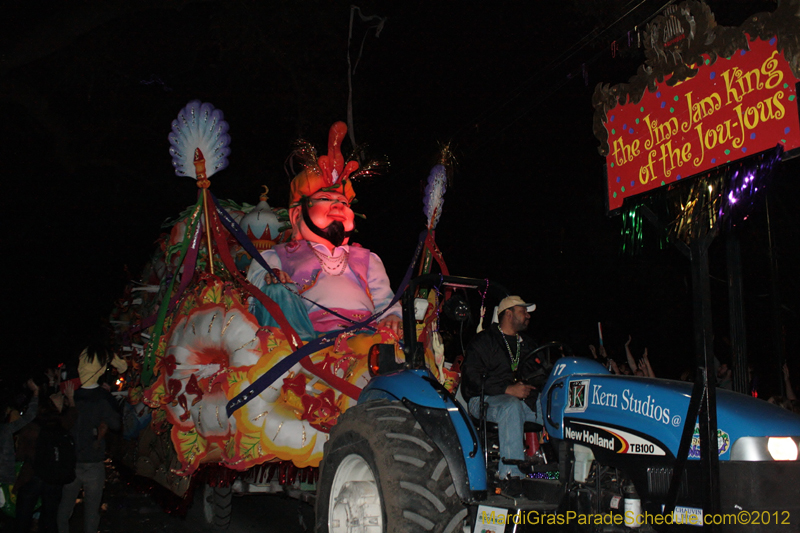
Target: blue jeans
(92, 477)
(510, 414)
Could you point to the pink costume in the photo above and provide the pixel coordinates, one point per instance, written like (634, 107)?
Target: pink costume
(352, 282)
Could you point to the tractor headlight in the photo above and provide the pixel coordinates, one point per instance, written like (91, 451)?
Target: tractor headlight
(782, 448)
(765, 449)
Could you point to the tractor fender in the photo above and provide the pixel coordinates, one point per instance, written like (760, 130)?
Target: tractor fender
(443, 419)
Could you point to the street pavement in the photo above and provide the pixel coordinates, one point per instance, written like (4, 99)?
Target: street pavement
(132, 504)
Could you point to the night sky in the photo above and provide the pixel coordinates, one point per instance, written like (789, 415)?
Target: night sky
(89, 89)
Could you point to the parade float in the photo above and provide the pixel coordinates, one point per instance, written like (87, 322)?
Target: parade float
(230, 380)
(232, 385)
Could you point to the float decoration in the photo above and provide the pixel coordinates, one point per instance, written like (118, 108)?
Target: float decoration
(433, 202)
(428, 330)
(263, 225)
(223, 387)
(199, 126)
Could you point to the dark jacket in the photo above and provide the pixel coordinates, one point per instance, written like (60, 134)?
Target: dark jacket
(488, 355)
(28, 437)
(7, 430)
(93, 408)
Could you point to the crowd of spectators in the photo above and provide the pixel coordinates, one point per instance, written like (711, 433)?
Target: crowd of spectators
(723, 374)
(52, 443)
(630, 367)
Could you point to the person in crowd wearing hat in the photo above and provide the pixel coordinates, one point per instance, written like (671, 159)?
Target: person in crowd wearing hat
(493, 360)
(339, 283)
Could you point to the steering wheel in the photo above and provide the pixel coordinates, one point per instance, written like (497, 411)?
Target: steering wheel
(562, 347)
(565, 349)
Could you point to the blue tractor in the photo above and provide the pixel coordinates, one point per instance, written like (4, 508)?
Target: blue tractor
(409, 457)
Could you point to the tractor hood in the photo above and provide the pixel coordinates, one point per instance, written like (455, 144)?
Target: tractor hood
(585, 403)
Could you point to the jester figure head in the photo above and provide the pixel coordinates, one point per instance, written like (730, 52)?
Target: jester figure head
(322, 193)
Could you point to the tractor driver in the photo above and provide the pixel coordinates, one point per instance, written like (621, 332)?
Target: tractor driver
(492, 361)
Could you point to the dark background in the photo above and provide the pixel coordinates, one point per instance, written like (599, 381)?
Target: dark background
(89, 89)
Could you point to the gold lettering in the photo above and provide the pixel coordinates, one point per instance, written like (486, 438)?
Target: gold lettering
(748, 113)
(688, 124)
(625, 153)
(673, 157)
(740, 123)
(699, 159)
(660, 133)
(739, 141)
(780, 111)
(730, 90)
(747, 84)
(770, 69)
(723, 132)
(686, 152)
(701, 109)
(647, 173)
(648, 144)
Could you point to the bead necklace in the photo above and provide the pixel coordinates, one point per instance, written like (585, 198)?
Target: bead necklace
(514, 357)
(333, 266)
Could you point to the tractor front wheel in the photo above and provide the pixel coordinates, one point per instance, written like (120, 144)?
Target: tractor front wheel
(381, 473)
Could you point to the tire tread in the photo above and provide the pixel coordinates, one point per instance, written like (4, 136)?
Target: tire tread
(416, 487)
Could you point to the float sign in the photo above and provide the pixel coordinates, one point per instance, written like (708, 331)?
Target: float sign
(730, 109)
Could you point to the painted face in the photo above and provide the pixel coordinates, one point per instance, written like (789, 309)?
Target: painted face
(326, 207)
(324, 210)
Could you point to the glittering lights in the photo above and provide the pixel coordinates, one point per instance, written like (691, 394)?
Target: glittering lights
(725, 194)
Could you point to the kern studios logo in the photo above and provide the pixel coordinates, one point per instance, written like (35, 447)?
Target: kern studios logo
(577, 396)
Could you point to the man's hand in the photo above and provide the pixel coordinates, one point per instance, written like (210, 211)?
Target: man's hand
(277, 276)
(394, 323)
(519, 390)
(33, 387)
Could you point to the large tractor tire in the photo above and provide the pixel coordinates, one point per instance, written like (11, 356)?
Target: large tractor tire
(382, 474)
(217, 506)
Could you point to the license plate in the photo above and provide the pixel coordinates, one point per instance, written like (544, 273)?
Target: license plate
(491, 519)
(688, 515)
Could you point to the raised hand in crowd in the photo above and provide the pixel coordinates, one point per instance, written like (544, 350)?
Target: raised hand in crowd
(32, 386)
(644, 365)
(69, 393)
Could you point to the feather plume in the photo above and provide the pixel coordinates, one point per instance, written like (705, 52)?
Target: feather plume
(434, 195)
(372, 168)
(438, 180)
(199, 125)
(305, 154)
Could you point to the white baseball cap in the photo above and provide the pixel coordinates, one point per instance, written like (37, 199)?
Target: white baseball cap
(508, 302)
(513, 301)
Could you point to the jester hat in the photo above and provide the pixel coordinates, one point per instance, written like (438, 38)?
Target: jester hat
(326, 173)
